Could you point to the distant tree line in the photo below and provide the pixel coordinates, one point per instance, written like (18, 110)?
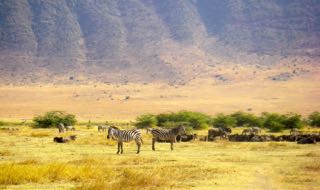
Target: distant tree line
(195, 120)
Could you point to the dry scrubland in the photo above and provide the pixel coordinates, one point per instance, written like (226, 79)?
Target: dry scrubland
(124, 102)
(30, 160)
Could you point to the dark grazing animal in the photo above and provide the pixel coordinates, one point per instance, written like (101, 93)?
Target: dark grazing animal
(166, 135)
(64, 139)
(186, 138)
(226, 129)
(216, 132)
(125, 136)
(307, 140)
(73, 137)
(60, 140)
(102, 128)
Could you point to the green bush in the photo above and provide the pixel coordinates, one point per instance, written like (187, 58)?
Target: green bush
(222, 120)
(53, 118)
(2, 123)
(314, 119)
(273, 121)
(246, 119)
(275, 126)
(145, 121)
(194, 120)
(292, 120)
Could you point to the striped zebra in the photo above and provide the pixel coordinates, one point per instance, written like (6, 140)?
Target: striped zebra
(61, 127)
(125, 136)
(166, 134)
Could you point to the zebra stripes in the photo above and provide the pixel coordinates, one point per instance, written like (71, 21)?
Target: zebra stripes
(166, 134)
(125, 136)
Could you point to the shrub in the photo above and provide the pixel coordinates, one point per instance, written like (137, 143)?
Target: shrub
(194, 120)
(275, 126)
(314, 119)
(145, 121)
(222, 120)
(273, 121)
(2, 123)
(246, 119)
(53, 118)
(292, 121)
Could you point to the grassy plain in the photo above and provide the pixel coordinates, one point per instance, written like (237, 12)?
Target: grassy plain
(125, 102)
(30, 160)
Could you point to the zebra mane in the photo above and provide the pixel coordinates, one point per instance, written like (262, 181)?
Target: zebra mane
(176, 130)
(114, 127)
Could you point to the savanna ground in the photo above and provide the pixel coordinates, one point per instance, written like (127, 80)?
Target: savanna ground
(98, 101)
(29, 159)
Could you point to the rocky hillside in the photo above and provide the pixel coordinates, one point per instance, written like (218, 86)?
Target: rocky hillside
(147, 40)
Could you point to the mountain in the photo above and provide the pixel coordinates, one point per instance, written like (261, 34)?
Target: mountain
(69, 41)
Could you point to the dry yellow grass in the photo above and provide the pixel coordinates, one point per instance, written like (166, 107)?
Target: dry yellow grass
(36, 162)
(107, 102)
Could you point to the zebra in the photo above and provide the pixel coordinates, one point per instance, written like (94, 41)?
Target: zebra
(102, 128)
(70, 128)
(61, 128)
(256, 130)
(245, 131)
(166, 135)
(125, 136)
(294, 131)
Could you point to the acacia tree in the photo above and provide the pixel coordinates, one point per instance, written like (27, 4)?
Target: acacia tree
(222, 120)
(314, 119)
(53, 118)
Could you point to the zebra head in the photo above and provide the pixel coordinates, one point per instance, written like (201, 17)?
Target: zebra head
(111, 132)
(61, 125)
(180, 130)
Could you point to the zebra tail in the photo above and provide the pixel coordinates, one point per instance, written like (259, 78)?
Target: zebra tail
(141, 140)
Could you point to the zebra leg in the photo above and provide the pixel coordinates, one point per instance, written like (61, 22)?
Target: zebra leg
(139, 145)
(121, 147)
(118, 147)
(153, 142)
(171, 142)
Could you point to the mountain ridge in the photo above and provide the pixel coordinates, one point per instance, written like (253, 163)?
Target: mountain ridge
(149, 40)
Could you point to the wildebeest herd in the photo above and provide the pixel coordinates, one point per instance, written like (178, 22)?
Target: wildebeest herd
(178, 134)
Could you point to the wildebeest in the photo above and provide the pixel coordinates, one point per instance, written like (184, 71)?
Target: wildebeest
(64, 139)
(61, 128)
(102, 128)
(167, 134)
(60, 140)
(216, 132)
(203, 138)
(307, 140)
(186, 138)
(70, 128)
(73, 137)
(226, 129)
